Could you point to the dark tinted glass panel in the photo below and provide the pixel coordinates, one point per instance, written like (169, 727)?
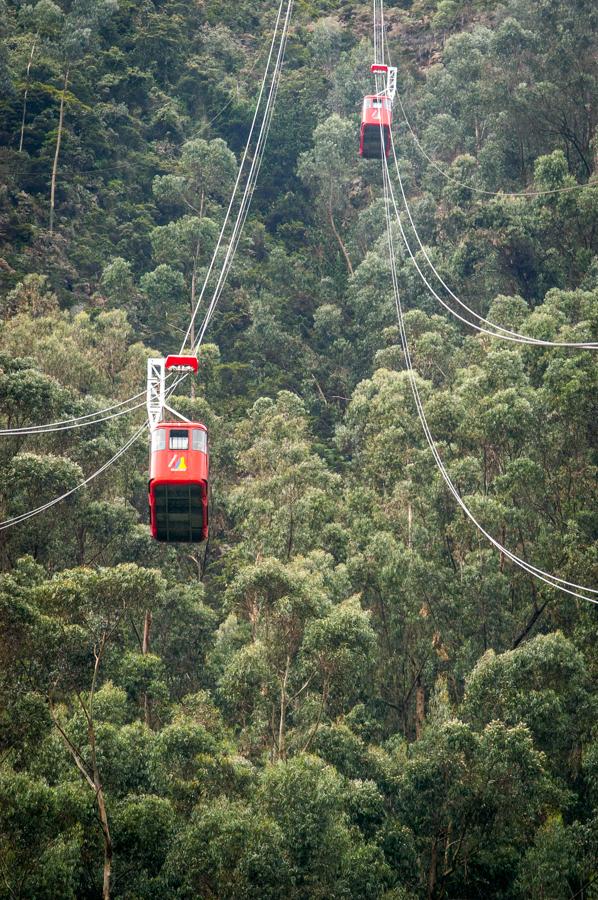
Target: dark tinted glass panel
(179, 439)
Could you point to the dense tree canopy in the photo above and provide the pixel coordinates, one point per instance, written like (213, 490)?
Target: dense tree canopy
(347, 692)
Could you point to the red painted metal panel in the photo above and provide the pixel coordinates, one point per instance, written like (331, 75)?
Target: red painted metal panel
(176, 466)
(376, 113)
(181, 362)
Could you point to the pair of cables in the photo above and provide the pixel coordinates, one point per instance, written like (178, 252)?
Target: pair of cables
(531, 192)
(498, 331)
(554, 581)
(277, 49)
(94, 418)
(250, 183)
(573, 589)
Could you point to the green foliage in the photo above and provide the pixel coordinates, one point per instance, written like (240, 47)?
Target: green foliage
(230, 852)
(346, 692)
(41, 842)
(544, 684)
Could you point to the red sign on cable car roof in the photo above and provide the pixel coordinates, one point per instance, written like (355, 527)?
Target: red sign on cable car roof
(181, 363)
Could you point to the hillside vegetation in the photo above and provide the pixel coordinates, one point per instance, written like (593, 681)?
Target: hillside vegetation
(347, 692)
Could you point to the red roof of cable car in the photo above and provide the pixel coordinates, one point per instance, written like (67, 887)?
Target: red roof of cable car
(188, 363)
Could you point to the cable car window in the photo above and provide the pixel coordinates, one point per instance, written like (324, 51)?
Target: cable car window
(377, 103)
(199, 440)
(179, 439)
(158, 440)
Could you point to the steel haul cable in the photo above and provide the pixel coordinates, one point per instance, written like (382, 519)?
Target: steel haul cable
(505, 333)
(241, 216)
(553, 580)
(477, 190)
(16, 520)
(246, 151)
(91, 418)
(68, 424)
(252, 178)
(502, 333)
(571, 588)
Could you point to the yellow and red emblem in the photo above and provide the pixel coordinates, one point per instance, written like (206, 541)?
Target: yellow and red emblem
(177, 463)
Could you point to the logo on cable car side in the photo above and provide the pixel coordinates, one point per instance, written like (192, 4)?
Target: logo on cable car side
(177, 463)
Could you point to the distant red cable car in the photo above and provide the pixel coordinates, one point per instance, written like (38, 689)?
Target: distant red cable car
(178, 485)
(376, 113)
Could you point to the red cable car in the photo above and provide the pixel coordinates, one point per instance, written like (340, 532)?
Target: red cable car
(376, 113)
(178, 485)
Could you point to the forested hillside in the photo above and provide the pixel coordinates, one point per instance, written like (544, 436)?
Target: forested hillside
(347, 691)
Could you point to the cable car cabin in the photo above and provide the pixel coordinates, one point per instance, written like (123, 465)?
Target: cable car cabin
(178, 485)
(376, 112)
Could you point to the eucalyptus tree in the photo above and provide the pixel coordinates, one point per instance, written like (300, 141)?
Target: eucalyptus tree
(329, 170)
(67, 38)
(195, 195)
(69, 627)
(306, 657)
(288, 493)
(473, 802)
(545, 684)
(310, 802)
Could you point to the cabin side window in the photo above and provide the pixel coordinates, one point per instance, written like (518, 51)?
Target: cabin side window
(199, 440)
(158, 440)
(179, 439)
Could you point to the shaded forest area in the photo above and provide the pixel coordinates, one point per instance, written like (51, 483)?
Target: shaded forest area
(347, 693)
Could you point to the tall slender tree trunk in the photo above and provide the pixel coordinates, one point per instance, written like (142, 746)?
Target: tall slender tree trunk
(432, 871)
(107, 843)
(420, 707)
(91, 773)
(339, 239)
(147, 627)
(57, 151)
(283, 712)
(97, 781)
(315, 729)
(29, 64)
(145, 646)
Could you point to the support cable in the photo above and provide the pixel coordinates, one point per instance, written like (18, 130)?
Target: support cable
(16, 520)
(477, 190)
(241, 216)
(244, 157)
(502, 333)
(69, 423)
(72, 422)
(553, 581)
(251, 178)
